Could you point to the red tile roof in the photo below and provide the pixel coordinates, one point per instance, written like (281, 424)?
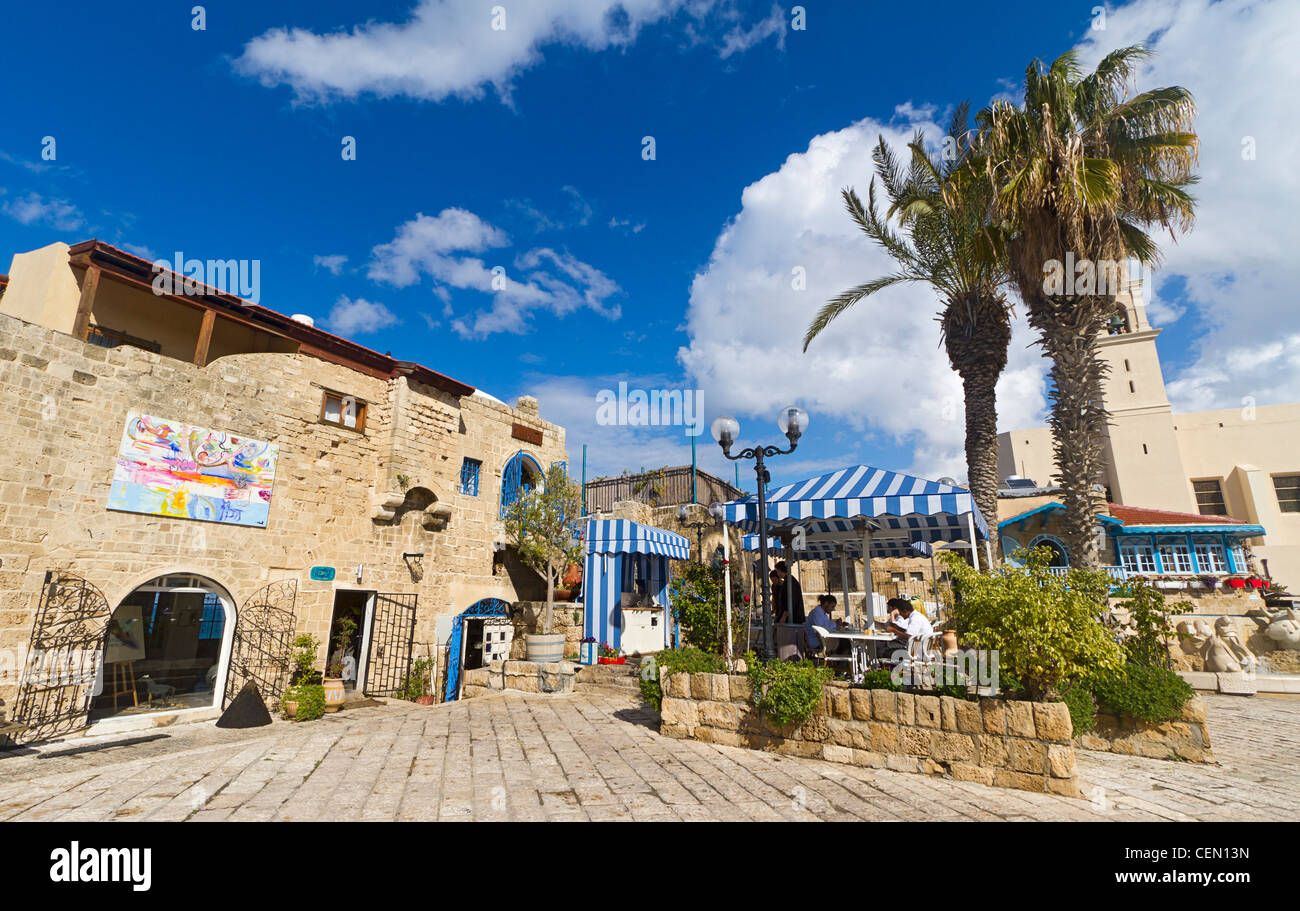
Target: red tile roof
(1138, 515)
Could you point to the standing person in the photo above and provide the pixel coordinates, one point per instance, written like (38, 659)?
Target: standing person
(795, 611)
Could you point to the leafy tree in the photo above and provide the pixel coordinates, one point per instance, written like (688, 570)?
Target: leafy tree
(542, 525)
(948, 239)
(1081, 172)
(1048, 629)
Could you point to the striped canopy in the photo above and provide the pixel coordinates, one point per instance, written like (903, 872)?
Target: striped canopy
(623, 536)
(832, 508)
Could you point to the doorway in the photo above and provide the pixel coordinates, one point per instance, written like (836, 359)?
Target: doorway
(348, 628)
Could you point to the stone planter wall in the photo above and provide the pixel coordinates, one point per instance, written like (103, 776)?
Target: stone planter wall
(524, 676)
(994, 742)
(1186, 739)
(527, 618)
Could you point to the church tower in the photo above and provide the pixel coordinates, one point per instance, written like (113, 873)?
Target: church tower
(1145, 466)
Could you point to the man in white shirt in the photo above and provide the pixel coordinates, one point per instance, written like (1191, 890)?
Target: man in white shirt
(907, 625)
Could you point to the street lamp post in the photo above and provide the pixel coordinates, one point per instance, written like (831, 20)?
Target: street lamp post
(684, 512)
(792, 421)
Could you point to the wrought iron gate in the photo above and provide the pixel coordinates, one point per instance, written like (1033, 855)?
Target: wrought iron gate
(392, 641)
(67, 648)
(263, 640)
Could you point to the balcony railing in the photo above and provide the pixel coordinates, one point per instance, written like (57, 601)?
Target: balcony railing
(1115, 572)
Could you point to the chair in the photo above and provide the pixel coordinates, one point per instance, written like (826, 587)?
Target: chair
(823, 633)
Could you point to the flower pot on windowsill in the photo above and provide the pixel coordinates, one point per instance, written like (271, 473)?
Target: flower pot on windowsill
(1236, 583)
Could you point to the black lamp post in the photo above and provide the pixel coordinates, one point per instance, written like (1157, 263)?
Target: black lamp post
(792, 421)
(684, 512)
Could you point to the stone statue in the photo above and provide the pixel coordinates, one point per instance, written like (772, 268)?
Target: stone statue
(1223, 651)
(1282, 625)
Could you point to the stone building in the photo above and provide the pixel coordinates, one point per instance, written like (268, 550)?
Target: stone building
(381, 489)
(1240, 463)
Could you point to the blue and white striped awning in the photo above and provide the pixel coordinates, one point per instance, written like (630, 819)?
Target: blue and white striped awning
(623, 536)
(833, 508)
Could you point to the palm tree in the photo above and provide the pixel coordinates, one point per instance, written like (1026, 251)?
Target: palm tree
(948, 240)
(1083, 171)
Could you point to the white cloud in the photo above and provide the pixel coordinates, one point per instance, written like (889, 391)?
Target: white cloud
(449, 48)
(332, 263)
(36, 209)
(541, 278)
(741, 39)
(879, 368)
(1238, 265)
(357, 316)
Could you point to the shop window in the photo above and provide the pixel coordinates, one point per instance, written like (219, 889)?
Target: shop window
(343, 411)
(1288, 492)
(1209, 497)
(469, 477)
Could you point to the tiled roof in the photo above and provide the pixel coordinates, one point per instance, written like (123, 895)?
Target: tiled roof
(1138, 515)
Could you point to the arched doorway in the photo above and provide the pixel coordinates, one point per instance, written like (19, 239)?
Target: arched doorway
(477, 636)
(1060, 556)
(167, 648)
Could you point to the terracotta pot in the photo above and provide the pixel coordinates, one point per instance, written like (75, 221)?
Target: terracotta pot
(949, 642)
(565, 594)
(334, 694)
(572, 575)
(290, 708)
(424, 700)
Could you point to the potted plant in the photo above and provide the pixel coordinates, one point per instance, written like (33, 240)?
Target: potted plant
(1236, 583)
(587, 650)
(303, 702)
(344, 629)
(1210, 582)
(610, 655)
(415, 688)
(542, 525)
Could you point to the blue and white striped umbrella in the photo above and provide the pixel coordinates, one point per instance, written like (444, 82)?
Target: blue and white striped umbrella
(623, 536)
(903, 509)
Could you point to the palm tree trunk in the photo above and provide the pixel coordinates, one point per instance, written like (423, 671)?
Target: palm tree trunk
(1068, 331)
(980, 388)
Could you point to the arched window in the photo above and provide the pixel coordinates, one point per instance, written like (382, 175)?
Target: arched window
(1060, 556)
(521, 476)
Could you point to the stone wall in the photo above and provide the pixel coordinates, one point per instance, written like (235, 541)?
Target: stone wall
(523, 676)
(566, 618)
(1186, 739)
(337, 498)
(995, 742)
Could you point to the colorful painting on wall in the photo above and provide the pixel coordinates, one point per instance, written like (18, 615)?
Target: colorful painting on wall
(165, 468)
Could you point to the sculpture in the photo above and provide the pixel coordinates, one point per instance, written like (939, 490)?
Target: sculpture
(1223, 651)
(1282, 625)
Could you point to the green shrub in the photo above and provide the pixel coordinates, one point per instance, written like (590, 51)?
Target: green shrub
(416, 683)
(788, 691)
(1047, 629)
(1148, 621)
(955, 690)
(1083, 711)
(695, 596)
(305, 648)
(879, 680)
(1143, 692)
(689, 660)
(310, 698)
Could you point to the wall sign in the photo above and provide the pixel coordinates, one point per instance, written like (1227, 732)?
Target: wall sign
(526, 433)
(322, 573)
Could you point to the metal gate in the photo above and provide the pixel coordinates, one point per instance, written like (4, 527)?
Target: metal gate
(67, 648)
(392, 641)
(263, 640)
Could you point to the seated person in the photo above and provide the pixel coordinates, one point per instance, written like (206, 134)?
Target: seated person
(821, 616)
(906, 623)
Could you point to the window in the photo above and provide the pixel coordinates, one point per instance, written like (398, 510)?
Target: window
(343, 411)
(1209, 497)
(1210, 559)
(1176, 558)
(1288, 492)
(521, 475)
(469, 477)
(1138, 558)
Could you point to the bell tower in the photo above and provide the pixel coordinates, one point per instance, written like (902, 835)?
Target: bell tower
(1145, 466)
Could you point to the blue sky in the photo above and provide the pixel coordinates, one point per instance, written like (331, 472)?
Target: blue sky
(522, 148)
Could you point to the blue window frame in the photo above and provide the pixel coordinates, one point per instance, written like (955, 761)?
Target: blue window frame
(469, 477)
(521, 475)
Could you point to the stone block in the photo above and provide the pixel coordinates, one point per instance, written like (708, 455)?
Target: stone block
(679, 731)
(700, 686)
(749, 720)
(1023, 781)
(860, 704)
(1236, 684)
(1201, 680)
(1052, 721)
(815, 729)
(968, 717)
(726, 738)
(914, 741)
(1060, 760)
(839, 702)
(679, 685)
(804, 748)
(742, 690)
(679, 711)
(953, 747)
(906, 708)
(868, 760)
(965, 771)
(1194, 710)
(994, 715)
(718, 715)
(1020, 719)
(719, 687)
(833, 753)
(896, 763)
(995, 751)
(948, 713)
(927, 711)
(1064, 787)
(1027, 755)
(884, 737)
(884, 707)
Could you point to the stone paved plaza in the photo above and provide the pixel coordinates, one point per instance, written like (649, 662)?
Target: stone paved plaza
(597, 757)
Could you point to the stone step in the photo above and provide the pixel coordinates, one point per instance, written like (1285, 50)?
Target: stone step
(622, 683)
(616, 692)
